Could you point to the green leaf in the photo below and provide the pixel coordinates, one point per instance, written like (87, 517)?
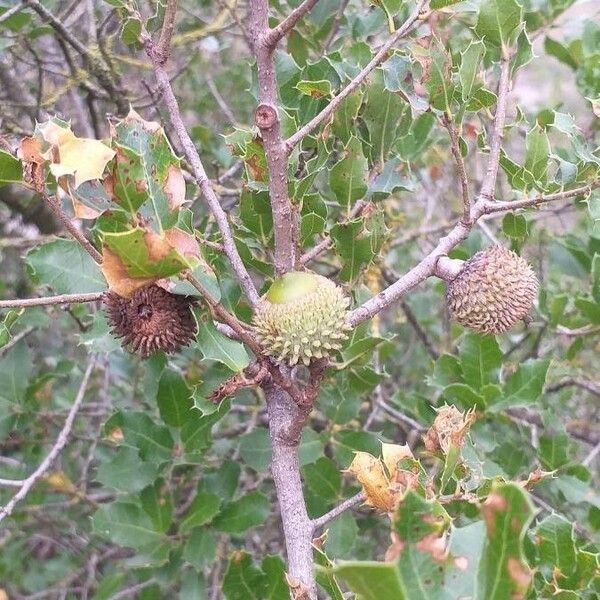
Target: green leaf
(174, 399)
(201, 549)
(243, 580)
(140, 431)
(480, 359)
(66, 267)
(216, 346)
(249, 511)
(503, 572)
(437, 4)
(323, 478)
(415, 574)
(196, 432)
(10, 318)
(145, 170)
(514, 225)
(525, 385)
(555, 545)
(15, 372)
(469, 67)
(11, 170)
(203, 509)
(358, 242)
(126, 472)
(136, 255)
(158, 505)
(323, 574)
(255, 213)
(498, 22)
(315, 89)
(439, 83)
(125, 524)
(348, 178)
(255, 449)
(554, 450)
(589, 309)
(560, 52)
(275, 580)
(537, 154)
(132, 28)
(383, 115)
(341, 535)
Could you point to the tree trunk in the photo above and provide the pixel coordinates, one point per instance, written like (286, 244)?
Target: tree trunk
(286, 420)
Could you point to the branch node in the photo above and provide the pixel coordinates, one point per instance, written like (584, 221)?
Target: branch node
(265, 116)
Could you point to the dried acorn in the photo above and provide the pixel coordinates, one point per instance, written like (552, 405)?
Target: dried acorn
(152, 320)
(493, 291)
(302, 317)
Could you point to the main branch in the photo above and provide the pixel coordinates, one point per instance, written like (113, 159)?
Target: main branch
(286, 220)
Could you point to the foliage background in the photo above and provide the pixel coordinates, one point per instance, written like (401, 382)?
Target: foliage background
(148, 504)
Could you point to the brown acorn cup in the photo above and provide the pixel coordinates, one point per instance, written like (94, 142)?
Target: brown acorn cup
(152, 320)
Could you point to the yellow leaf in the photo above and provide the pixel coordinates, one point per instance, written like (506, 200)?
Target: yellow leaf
(392, 454)
(370, 473)
(116, 276)
(174, 187)
(60, 482)
(83, 158)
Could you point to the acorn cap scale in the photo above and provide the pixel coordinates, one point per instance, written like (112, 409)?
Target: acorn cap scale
(302, 317)
(494, 290)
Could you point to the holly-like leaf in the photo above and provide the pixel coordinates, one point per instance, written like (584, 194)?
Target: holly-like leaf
(348, 178)
(66, 267)
(498, 22)
(139, 256)
(174, 399)
(503, 572)
(146, 175)
(83, 158)
(216, 346)
(11, 170)
(249, 511)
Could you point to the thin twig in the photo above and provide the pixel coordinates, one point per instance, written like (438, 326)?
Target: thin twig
(16, 339)
(163, 47)
(274, 35)
(489, 181)
(380, 57)
(48, 300)
(497, 206)
(11, 11)
(337, 511)
(587, 461)
(192, 156)
(54, 204)
(335, 26)
(58, 447)
(460, 163)
(132, 590)
(327, 242)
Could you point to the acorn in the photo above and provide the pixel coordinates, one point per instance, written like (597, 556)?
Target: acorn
(302, 317)
(152, 320)
(493, 291)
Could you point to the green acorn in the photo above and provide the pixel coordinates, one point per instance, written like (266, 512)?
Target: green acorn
(302, 317)
(493, 291)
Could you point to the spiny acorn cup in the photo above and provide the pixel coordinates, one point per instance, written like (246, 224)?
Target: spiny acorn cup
(302, 317)
(152, 320)
(494, 290)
